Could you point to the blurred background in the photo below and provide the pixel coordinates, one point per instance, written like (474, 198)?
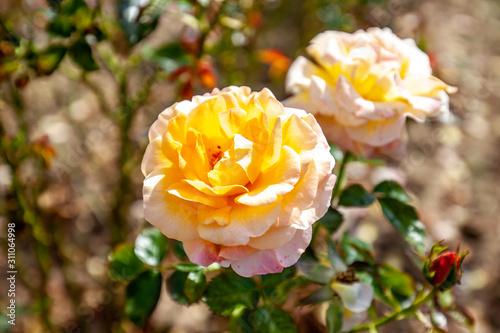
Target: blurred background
(82, 81)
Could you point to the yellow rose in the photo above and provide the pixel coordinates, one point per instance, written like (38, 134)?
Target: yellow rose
(362, 86)
(238, 178)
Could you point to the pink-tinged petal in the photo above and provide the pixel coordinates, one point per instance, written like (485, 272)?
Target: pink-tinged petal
(378, 133)
(423, 107)
(245, 222)
(329, 47)
(298, 76)
(174, 217)
(231, 253)
(337, 134)
(290, 253)
(264, 262)
(276, 181)
(246, 263)
(349, 103)
(273, 238)
(201, 252)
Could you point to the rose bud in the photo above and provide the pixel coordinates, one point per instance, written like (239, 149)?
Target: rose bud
(445, 270)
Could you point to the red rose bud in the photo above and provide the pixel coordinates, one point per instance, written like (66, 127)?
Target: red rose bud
(445, 270)
(442, 266)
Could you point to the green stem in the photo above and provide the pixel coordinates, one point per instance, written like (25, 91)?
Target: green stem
(348, 156)
(396, 315)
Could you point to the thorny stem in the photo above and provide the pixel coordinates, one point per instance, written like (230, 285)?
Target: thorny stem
(410, 311)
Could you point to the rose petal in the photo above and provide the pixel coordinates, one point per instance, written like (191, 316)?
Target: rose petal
(201, 252)
(245, 222)
(276, 181)
(176, 218)
(356, 297)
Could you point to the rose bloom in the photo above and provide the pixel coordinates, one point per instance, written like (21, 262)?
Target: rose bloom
(238, 178)
(362, 86)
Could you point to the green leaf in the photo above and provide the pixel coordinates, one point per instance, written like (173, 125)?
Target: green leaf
(195, 285)
(334, 316)
(141, 297)
(279, 294)
(398, 282)
(355, 196)
(355, 249)
(179, 250)
(151, 246)
(314, 271)
(404, 218)
(124, 264)
(188, 267)
(273, 320)
(81, 53)
(241, 321)
(391, 189)
(270, 281)
(276, 287)
(73, 15)
(390, 281)
(229, 291)
(48, 60)
(138, 18)
(175, 287)
(332, 220)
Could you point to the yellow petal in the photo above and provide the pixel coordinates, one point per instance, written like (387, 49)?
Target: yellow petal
(187, 192)
(217, 190)
(276, 181)
(273, 149)
(208, 215)
(426, 85)
(231, 121)
(244, 222)
(193, 159)
(237, 164)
